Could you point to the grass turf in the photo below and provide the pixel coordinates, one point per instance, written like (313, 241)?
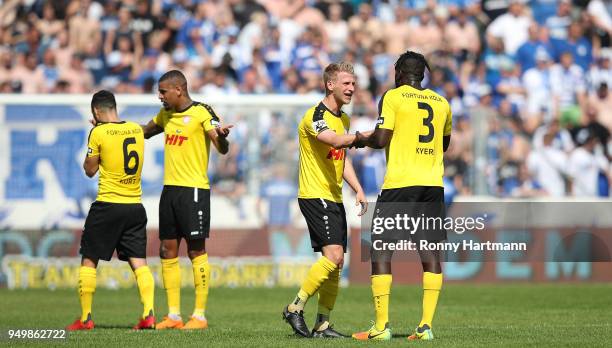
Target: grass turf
(525, 315)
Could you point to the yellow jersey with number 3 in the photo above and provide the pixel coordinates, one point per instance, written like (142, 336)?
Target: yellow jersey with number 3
(419, 119)
(120, 146)
(187, 145)
(321, 166)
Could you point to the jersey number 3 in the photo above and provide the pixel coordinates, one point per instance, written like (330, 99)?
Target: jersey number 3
(127, 157)
(427, 123)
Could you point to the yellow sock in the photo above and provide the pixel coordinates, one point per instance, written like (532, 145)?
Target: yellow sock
(327, 296)
(318, 273)
(146, 287)
(171, 274)
(432, 283)
(201, 279)
(87, 287)
(381, 290)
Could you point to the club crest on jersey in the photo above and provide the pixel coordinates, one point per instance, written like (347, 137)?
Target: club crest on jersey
(319, 126)
(336, 154)
(186, 119)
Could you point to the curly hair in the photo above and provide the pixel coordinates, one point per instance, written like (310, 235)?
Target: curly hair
(410, 66)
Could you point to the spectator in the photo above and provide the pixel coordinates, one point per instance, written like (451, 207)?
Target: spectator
(560, 22)
(586, 166)
(77, 77)
(462, 37)
(397, 33)
(538, 41)
(495, 58)
(539, 100)
(601, 72)
(543, 9)
(84, 30)
(426, 36)
(26, 75)
(601, 12)
(577, 44)
(600, 104)
(280, 192)
(511, 27)
(562, 138)
(568, 88)
(366, 26)
(510, 86)
(547, 165)
(336, 31)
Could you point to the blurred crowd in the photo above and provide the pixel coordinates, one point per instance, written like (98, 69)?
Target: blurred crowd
(528, 80)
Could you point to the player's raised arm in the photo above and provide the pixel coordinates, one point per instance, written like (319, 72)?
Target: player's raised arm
(218, 136)
(92, 158)
(91, 165)
(378, 139)
(151, 129)
(337, 141)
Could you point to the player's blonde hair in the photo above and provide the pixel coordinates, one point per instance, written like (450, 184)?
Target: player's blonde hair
(332, 70)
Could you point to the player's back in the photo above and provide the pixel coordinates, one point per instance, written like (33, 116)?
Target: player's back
(419, 119)
(120, 146)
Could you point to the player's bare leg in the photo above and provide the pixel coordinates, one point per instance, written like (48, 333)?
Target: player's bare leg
(87, 287)
(196, 250)
(171, 275)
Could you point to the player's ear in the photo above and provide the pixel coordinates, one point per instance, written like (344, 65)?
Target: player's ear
(94, 113)
(330, 85)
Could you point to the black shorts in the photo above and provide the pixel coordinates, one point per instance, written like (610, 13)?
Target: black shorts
(415, 201)
(184, 212)
(326, 222)
(115, 226)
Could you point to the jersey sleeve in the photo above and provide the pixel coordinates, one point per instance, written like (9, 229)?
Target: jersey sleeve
(161, 119)
(210, 120)
(93, 143)
(386, 113)
(317, 123)
(448, 126)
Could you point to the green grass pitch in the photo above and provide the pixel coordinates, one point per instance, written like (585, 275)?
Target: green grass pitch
(523, 315)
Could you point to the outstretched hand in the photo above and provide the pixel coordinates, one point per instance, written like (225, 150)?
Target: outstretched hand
(224, 131)
(360, 140)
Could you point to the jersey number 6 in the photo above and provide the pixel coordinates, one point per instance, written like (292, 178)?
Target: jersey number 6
(127, 156)
(427, 123)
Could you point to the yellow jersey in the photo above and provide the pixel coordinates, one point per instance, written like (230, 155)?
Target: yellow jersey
(321, 166)
(187, 145)
(419, 119)
(120, 146)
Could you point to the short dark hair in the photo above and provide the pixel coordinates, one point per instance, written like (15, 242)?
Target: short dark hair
(103, 99)
(410, 65)
(176, 75)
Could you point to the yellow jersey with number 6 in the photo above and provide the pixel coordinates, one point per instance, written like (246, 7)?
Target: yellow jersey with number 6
(419, 119)
(120, 146)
